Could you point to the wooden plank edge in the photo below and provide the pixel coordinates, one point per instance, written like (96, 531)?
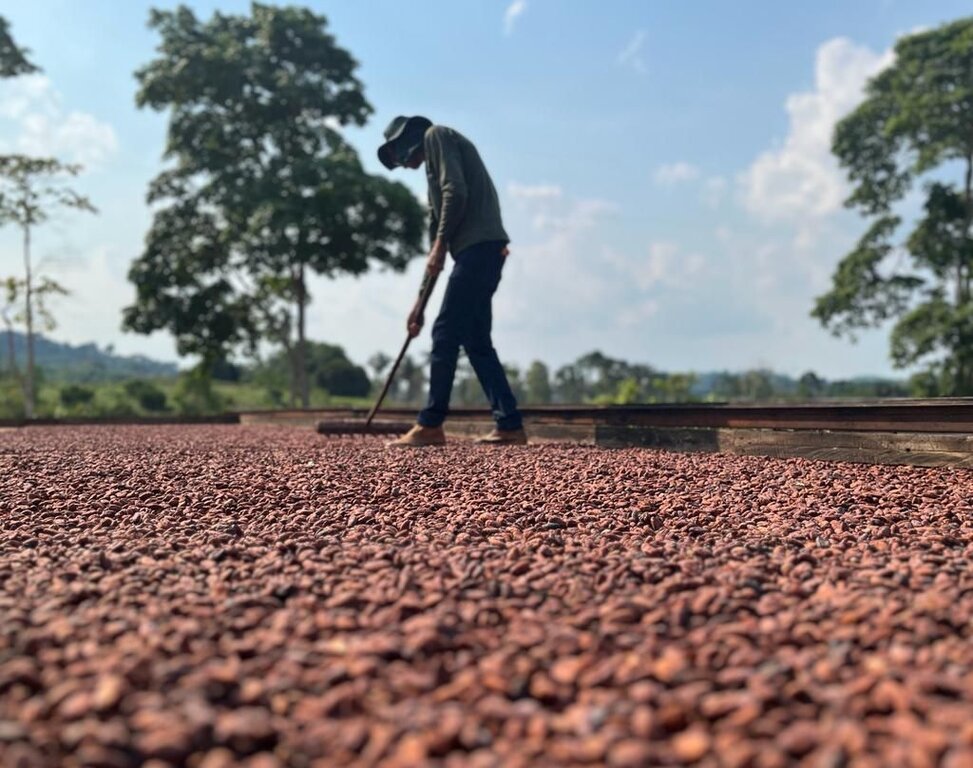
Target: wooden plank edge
(582, 434)
(897, 448)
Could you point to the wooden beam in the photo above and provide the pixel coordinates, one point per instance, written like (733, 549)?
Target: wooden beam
(952, 415)
(926, 449)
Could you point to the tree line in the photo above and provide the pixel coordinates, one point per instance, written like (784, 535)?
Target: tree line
(594, 378)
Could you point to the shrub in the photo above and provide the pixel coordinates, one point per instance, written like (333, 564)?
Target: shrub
(195, 395)
(147, 395)
(343, 378)
(11, 398)
(74, 395)
(224, 370)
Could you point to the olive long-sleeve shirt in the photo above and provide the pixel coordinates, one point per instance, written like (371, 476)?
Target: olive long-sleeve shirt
(463, 203)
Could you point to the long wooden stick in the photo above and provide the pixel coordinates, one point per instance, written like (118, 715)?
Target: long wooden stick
(425, 291)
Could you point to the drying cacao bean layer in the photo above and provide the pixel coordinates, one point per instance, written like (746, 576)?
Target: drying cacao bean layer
(212, 596)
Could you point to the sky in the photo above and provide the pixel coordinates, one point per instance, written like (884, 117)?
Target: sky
(663, 168)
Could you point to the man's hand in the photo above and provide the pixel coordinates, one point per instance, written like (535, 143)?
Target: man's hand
(437, 258)
(415, 322)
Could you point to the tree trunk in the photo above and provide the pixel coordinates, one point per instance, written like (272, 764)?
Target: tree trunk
(29, 311)
(301, 343)
(964, 384)
(11, 351)
(289, 357)
(293, 377)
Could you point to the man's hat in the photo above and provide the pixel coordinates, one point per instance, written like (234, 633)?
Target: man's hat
(402, 138)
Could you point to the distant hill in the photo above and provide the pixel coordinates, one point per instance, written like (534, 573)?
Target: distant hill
(83, 363)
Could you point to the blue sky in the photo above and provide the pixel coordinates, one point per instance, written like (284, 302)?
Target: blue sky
(663, 167)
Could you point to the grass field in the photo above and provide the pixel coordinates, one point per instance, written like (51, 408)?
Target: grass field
(111, 399)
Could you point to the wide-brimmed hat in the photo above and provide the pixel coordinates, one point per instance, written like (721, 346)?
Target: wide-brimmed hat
(402, 138)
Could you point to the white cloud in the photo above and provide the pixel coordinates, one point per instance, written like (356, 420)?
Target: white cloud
(675, 173)
(556, 236)
(551, 213)
(664, 264)
(801, 178)
(33, 121)
(714, 191)
(512, 14)
(658, 265)
(631, 54)
(534, 191)
(635, 317)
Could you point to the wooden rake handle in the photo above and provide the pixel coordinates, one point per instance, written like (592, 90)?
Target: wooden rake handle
(425, 291)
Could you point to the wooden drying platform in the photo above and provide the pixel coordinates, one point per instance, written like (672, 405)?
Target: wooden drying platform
(931, 433)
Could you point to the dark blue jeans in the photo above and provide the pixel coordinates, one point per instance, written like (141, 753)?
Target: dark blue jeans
(465, 319)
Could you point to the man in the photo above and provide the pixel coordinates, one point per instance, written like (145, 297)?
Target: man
(464, 220)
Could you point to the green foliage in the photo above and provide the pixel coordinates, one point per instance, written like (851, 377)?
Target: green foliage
(32, 187)
(915, 120)
(861, 297)
(467, 391)
(348, 380)
(757, 385)
(570, 385)
(810, 385)
(410, 381)
(628, 392)
(112, 399)
(13, 59)
(926, 383)
(379, 362)
(328, 367)
(537, 384)
(516, 382)
(147, 395)
(262, 187)
(74, 395)
(195, 395)
(332, 370)
(597, 378)
(11, 397)
(14, 310)
(224, 370)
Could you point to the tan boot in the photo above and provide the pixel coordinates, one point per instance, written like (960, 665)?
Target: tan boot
(420, 437)
(504, 437)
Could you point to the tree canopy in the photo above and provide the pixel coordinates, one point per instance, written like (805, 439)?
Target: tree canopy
(915, 124)
(262, 188)
(14, 60)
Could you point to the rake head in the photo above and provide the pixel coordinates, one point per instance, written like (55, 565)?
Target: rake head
(357, 427)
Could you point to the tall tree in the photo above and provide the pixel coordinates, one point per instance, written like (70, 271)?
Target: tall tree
(410, 381)
(916, 121)
(537, 383)
(329, 368)
(378, 363)
(14, 312)
(31, 189)
(262, 189)
(13, 62)
(13, 59)
(810, 385)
